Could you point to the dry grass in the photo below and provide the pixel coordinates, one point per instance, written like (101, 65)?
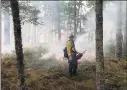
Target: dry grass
(53, 75)
(55, 78)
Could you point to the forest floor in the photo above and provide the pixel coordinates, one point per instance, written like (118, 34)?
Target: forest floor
(53, 75)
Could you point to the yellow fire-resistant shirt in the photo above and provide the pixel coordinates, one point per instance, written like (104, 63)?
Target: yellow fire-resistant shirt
(70, 48)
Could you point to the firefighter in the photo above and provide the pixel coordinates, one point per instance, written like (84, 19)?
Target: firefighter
(71, 51)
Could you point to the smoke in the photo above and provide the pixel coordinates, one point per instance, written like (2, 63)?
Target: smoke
(82, 41)
(109, 31)
(54, 50)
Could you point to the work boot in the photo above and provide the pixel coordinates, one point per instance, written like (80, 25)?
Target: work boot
(74, 73)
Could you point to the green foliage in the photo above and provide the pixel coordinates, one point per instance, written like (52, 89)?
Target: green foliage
(69, 7)
(32, 55)
(90, 4)
(28, 13)
(69, 12)
(63, 10)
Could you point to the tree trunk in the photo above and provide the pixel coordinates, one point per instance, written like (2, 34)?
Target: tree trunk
(52, 29)
(29, 34)
(80, 20)
(119, 32)
(75, 26)
(45, 36)
(59, 28)
(89, 38)
(6, 27)
(125, 45)
(69, 22)
(35, 34)
(18, 42)
(77, 19)
(99, 45)
(80, 24)
(0, 39)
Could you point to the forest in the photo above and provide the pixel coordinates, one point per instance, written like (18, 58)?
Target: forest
(34, 34)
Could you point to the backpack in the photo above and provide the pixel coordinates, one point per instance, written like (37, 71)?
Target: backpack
(65, 52)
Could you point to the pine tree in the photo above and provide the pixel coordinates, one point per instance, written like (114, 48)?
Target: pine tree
(99, 45)
(125, 45)
(18, 42)
(119, 36)
(75, 25)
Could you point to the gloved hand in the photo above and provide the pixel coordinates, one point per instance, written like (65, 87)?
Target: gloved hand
(77, 52)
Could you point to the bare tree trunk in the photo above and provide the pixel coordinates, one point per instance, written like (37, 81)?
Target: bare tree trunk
(59, 31)
(119, 36)
(0, 38)
(35, 34)
(89, 37)
(77, 19)
(80, 19)
(80, 24)
(75, 25)
(99, 45)
(69, 20)
(125, 45)
(45, 36)
(29, 34)
(52, 29)
(18, 42)
(59, 28)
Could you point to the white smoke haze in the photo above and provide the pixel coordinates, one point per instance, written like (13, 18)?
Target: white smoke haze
(109, 34)
(82, 42)
(55, 49)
